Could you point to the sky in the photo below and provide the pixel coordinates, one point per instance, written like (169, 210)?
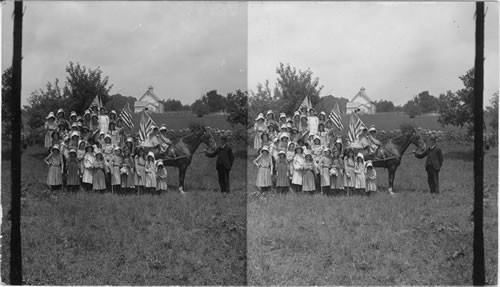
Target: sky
(182, 49)
(393, 50)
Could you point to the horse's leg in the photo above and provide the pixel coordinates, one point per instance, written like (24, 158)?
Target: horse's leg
(392, 172)
(182, 174)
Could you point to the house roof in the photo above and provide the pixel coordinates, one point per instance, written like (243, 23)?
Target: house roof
(142, 104)
(151, 93)
(362, 94)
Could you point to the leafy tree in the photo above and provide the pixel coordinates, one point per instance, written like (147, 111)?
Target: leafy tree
(83, 84)
(384, 106)
(412, 108)
(492, 113)
(327, 103)
(117, 102)
(426, 102)
(6, 98)
(292, 86)
(80, 88)
(214, 101)
(172, 105)
(200, 108)
(262, 100)
(237, 107)
(457, 108)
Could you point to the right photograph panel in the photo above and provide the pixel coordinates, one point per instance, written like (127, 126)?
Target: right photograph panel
(360, 148)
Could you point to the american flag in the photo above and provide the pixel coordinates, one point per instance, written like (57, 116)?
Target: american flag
(335, 117)
(305, 103)
(355, 127)
(126, 116)
(145, 126)
(97, 102)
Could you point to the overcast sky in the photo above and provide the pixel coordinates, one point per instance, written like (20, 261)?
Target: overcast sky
(394, 50)
(182, 49)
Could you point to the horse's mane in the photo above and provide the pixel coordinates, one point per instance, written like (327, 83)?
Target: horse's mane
(403, 137)
(189, 138)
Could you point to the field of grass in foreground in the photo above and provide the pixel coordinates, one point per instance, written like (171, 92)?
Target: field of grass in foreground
(412, 238)
(91, 239)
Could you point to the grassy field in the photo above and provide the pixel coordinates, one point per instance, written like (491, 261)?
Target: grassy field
(412, 238)
(198, 238)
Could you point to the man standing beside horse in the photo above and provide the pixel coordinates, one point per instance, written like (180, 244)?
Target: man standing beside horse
(224, 163)
(433, 164)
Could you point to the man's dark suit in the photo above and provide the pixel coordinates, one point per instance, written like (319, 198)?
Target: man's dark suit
(433, 164)
(224, 163)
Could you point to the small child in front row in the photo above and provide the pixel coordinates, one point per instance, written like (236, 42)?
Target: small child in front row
(360, 175)
(150, 170)
(73, 171)
(126, 172)
(309, 174)
(265, 164)
(324, 165)
(161, 178)
(56, 166)
(114, 167)
(282, 173)
(371, 178)
(99, 179)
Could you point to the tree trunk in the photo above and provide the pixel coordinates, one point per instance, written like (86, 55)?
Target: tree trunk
(478, 276)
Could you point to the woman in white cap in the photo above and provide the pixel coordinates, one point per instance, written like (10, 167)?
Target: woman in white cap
(99, 176)
(304, 125)
(374, 142)
(259, 128)
(282, 119)
(61, 119)
(112, 116)
(56, 166)
(115, 164)
(317, 148)
(86, 118)
(94, 123)
(74, 139)
(88, 164)
(73, 171)
(270, 119)
(113, 133)
(50, 127)
(265, 171)
(322, 134)
(360, 175)
(150, 170)
(296, 119)
(282, 172)
(322, 117)
(313, 121)
(73, 118)
(298, 168)
(107, 148)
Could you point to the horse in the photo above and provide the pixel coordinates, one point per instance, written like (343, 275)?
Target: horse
(390, 153)
(184, 147)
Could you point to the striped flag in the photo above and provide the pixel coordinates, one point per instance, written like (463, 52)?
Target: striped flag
(335, 117)
(126, 116)
(97, 102)
(355, 127)
(145, 126)
(305, 103)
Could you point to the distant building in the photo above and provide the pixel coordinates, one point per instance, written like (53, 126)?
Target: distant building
(149, 101)
(361, 103)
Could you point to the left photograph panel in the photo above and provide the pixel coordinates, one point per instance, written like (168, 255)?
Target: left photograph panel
(133, 150)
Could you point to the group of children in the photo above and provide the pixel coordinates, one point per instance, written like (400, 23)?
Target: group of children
(304, 154)
(100, 162)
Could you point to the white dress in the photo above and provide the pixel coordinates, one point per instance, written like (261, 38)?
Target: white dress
(298, 164)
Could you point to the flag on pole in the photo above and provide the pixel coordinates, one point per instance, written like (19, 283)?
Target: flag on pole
(97, 102)
(145, 126)
(126, 116)
(355, 127)
(336, 118)
(305, 103)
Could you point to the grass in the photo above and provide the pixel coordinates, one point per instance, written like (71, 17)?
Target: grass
(412, 238)
(88, 239)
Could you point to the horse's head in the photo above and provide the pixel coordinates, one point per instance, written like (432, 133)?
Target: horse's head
(415, 138)
(207, 138)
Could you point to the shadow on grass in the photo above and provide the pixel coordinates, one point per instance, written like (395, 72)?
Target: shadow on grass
(467, 155)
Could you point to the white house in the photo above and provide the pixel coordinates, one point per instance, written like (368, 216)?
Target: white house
(149, 101)
(361, 103)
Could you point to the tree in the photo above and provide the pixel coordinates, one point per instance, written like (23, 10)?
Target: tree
(83, 84)
(327, 103)
(80, 88)
(6, 102)
(117, 102)
(237, 107)
(172, 105)
(200, 108)
(457, 110)
(492, 113)
(412, 108)
(426, 102)
(262, 100)
(292, 86)
(214, 101)
(384, 106)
